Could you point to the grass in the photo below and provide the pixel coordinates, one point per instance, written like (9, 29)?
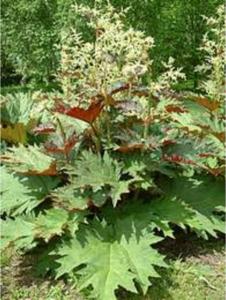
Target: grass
(18, 282)
(188, 280)
(36, 293)
(196, 272)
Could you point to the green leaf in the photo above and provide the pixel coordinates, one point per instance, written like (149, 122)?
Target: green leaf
(203, 193)
(70, 198)
(50, 223)
(25, 229)
(29, 160)
(113, 256)
(166, 211)
(17, 108)
(21, 193)
(119, 188)
(74, 221)
(183, 120)
(186, 203)
(158, 213)
(73, 199)
(41, 186)
(202, 196)
(15, 196)
(97, 172)
(17, 232)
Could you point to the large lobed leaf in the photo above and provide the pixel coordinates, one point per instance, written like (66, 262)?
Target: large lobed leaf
(30, 160)
(111, 256)
(74, 199)
(96, 172)
(202, 195)
(17, 232)
(26, 229)
(15, 196)
(195, 204)
(23, 193)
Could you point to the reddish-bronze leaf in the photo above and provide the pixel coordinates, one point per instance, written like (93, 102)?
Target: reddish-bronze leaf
(168, 142)
(178, 159)
(173, 108)
(66, 148)
(130, 148)
(211, 105)
(51, 171)
(43, 129)
(88, 115)
(119, 87)
(205, 155)
(220, 136)
(217, 171)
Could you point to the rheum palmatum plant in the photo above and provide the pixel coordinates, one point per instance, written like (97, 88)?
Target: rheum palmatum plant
(106, 167)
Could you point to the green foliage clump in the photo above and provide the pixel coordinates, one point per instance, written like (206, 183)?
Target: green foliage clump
(111, 163)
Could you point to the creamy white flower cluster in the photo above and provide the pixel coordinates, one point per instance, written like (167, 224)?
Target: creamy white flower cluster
(213, 46)
(116, 54)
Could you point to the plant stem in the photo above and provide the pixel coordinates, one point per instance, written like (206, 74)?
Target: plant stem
(64, 137)
(146, 125)
(97, 138)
